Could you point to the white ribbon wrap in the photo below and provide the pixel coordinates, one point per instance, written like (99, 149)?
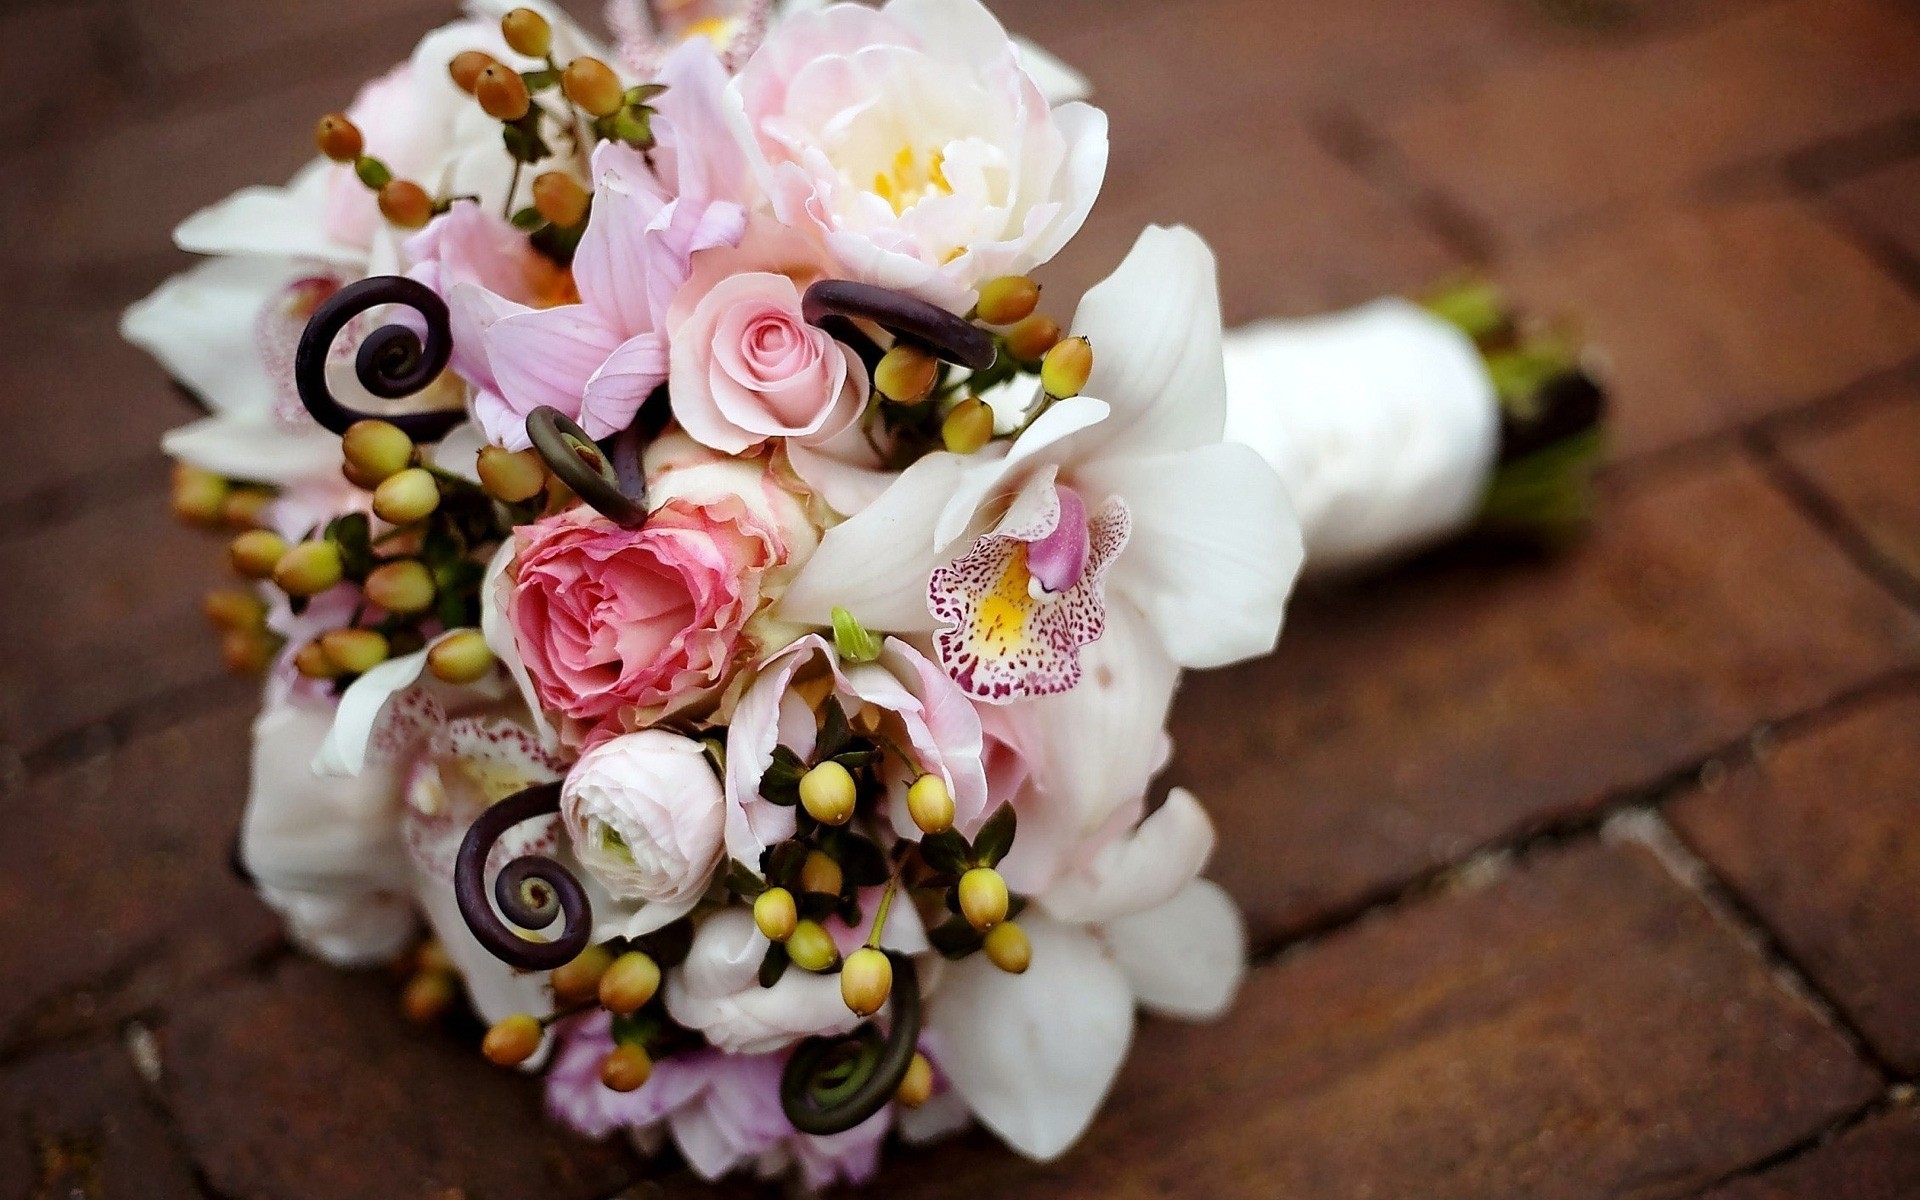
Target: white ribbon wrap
(1381, 421)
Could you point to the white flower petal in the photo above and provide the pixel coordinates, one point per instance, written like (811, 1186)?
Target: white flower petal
(1185, 958)
(875, 565)
(306, 833)
(497, 990)
(1140, 871)
(274, 222)
(258, 447)
(344, 752)
(1034, 1054)
(200, 325)
(1214, 553)
(1057, 81)
(983, 476)
(459, 452)
(495, 589)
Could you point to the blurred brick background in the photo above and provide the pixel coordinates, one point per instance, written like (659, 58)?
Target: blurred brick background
(1590, 877)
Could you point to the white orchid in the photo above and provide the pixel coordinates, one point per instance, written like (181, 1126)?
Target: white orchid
(1122, 498)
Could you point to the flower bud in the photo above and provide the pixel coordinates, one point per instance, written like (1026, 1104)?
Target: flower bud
(1064, 371)
(313, 661)
(820, 874)
(308, 569)
(1029, 340)
(406, 204)
(404, 586)
(338, 138)
(592, 85)
(245, 506)
(427, 997)
(811, 947)
(983, 898)
(527, 32)
(866, 981)
(199, 497)
(1008, 948)
(560, 199)
(462, 658)
(1008, 299)
(930, 804)
(968, 427)
(406, 496)
(231, 608)
(828, 794)
(627, 1068)
(248, 651)
(256, 552)
(502, 93)
(906, 374)
(376, 449)
(579, 980)
(512, 1041)
(629, 983)
(466, 67)
(916, 1086)
(432, 956)
(774, 912)
(509, 476)
(355, 651)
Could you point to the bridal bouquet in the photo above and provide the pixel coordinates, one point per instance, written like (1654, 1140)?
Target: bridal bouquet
(697, 579)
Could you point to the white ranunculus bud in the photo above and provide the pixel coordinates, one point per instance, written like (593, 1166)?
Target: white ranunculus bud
(646, 816)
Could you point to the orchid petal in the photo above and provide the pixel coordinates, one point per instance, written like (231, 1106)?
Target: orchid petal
(875, 565)
(272, 222)
(496, 590)
(256, 447)
(1141, 871)
(200, 324)
(983, 478)
(1034, 1054)
(546, 357)
(1214, 553)
(308, 833)
(1185, 958)
(622, 384)
(458, 453)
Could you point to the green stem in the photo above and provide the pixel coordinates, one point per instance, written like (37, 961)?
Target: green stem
(880, 916)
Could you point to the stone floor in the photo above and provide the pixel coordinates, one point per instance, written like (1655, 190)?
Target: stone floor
(1597, 876)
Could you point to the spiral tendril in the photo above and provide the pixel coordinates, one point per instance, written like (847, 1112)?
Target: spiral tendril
(531, 890)
(615, 490)
(832, 1084)
(832, 304)
(391, 363)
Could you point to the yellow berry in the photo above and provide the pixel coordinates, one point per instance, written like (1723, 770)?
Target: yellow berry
(930, 804)
(916, 1087)
(1007, 299)
(560, 199)
(1008, 948)
(509, 476)
(1065, 369)
(355, 651)
(231, 608)
(820, 873)
(432, 956)
(248, 651)
(968, 427)
(462, 657)
(404, 586)
(592, 85)
(375, 450)
(245, 506)
(502, 93)
(199, 497)
(775, 913)
(313, 661)
(527, 32)
(427, 997)
(629, 983)
(512, 1041)
(407, 496)
(906, 374)
(466, 67)
(1030, 339)
(626, 1068)
(811, 947)
(828, 794)
(579, 980)
(983, 898)
(406, 204)
(866, 981)
(308, 569)
(338, 138)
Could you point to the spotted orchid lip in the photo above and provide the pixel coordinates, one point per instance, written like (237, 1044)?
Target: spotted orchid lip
(1058, 560)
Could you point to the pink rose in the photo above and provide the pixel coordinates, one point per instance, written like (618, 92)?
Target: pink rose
(745, 365)
(618, 627)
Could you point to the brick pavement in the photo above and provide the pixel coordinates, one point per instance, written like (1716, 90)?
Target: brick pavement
(1592, 876)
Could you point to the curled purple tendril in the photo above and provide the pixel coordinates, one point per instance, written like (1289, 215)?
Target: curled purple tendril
(832, 1084)
(615, 489)
(391, 363)
(834, 304)
(531, 890)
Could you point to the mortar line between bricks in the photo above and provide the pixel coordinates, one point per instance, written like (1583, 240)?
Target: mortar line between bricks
(1895, 1097)
(149, 715)
(1820, 509)
(1349, 139)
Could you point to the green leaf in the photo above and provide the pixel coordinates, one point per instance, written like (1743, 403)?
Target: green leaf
(774, 965)
(853, 760)
(861, 862)
(781, 782)
(644, 92)
(528, 219)
(523, 140)
(742, 881)
(354, 535)
(947, 852)
(995, 838)
(670, 944)
(641, 1029)
(852, 639)
(955, 938)
(372, 172)
(835, 733)
(540, 80)
(782, 863)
